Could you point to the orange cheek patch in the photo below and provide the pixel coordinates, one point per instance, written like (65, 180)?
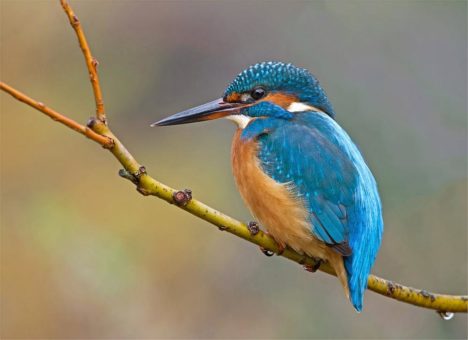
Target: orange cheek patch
(281, 99)
(233, 97)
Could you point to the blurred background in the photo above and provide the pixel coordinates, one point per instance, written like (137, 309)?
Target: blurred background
(83, 255)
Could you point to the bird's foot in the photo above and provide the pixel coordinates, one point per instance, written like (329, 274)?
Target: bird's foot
(313, 267)
(281, 247)
(254, 229)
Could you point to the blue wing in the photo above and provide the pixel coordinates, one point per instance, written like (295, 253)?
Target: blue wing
(328, 172)
(313, 153)
(323, 176)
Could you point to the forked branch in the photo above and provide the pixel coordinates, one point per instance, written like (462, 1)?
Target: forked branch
(98, 131)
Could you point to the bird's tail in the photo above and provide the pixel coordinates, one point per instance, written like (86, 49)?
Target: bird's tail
(357, 283)
(359, 264)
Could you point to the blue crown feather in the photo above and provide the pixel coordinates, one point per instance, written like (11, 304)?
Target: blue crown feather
(278, 76)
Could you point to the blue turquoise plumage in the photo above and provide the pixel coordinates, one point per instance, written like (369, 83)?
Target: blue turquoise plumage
(292, 159)
(327, 171)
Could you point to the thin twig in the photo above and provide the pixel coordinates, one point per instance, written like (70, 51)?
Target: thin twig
(149, 186)
(103, 140)
(91, 62)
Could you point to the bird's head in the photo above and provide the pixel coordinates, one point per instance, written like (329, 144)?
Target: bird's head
(268, 89)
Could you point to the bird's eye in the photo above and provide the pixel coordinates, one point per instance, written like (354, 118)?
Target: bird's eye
(258, 93)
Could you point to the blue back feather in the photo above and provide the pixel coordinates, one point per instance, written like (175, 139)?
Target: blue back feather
(313, 153)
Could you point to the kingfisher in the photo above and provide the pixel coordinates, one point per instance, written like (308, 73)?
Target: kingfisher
(298, 171)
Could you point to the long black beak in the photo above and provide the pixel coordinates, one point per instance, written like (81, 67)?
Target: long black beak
(216, 109)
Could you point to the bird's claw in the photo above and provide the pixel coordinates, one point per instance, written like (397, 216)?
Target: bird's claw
(281, 247)
(254, 229)
(313, 267)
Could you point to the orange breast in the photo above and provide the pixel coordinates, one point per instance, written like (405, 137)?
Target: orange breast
(272, 203)
(275, 207)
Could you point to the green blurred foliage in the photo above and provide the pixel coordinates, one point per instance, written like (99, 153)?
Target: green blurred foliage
(84, 256)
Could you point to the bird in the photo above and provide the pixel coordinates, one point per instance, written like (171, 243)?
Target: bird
(298, 171)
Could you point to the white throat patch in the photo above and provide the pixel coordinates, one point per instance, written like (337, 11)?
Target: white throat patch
(301, 107)
(241, 120)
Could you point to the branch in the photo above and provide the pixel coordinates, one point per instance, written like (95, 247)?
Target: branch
(98, 131)
(103, 140)
(91, 62)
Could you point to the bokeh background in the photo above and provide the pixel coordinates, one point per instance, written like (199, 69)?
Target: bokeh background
(83, 255)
